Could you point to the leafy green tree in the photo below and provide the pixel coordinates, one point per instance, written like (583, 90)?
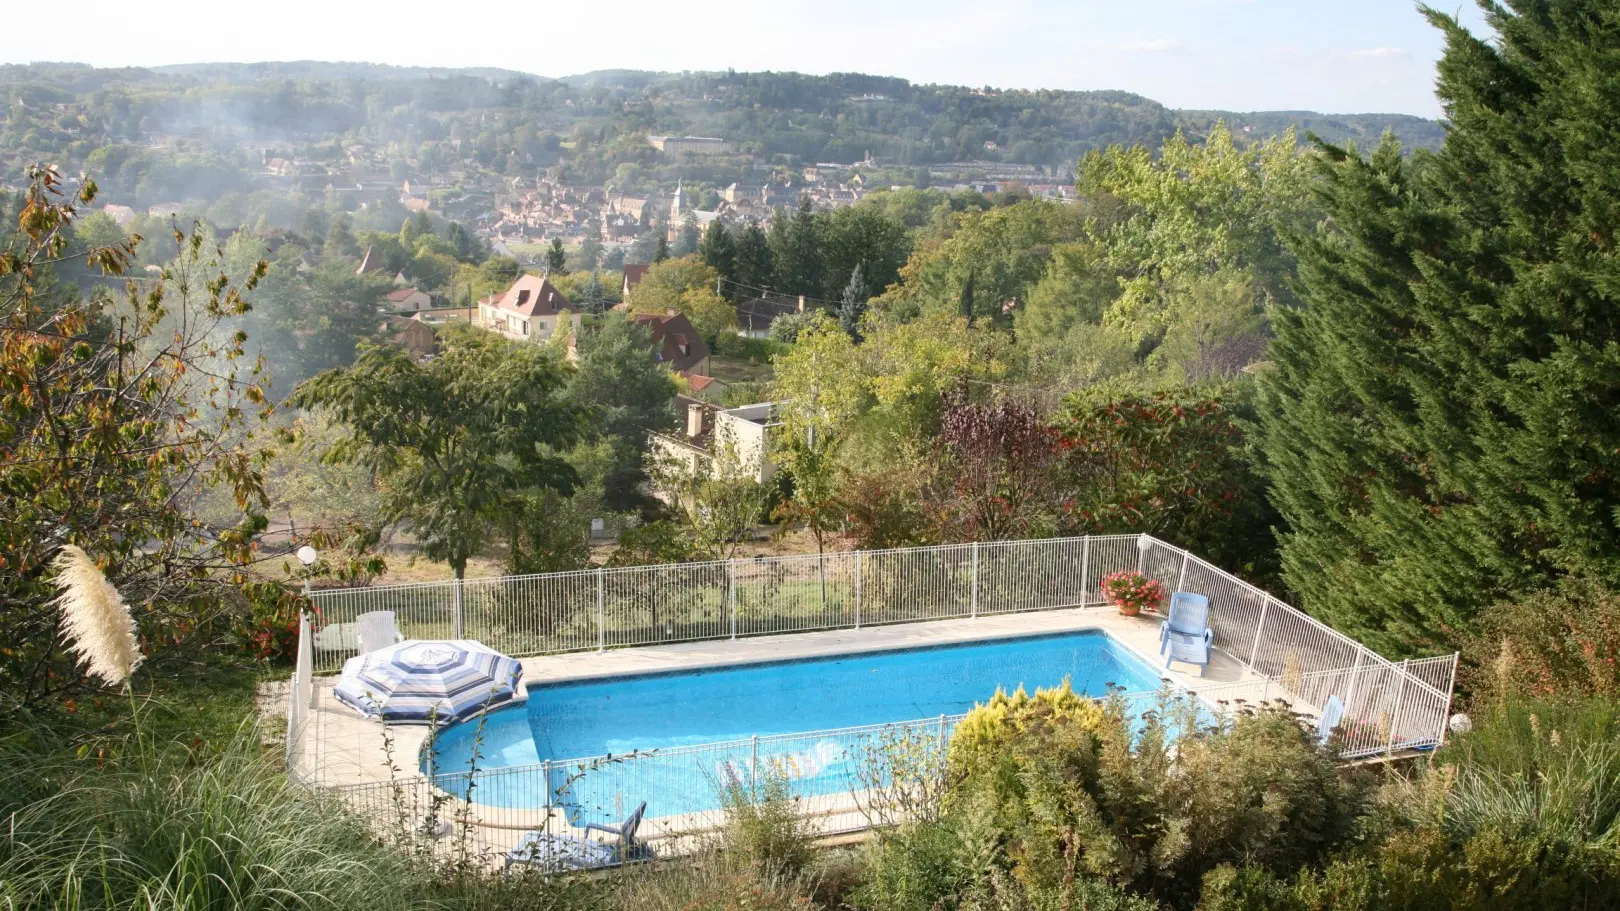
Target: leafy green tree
(754, 268)
(1439, 423)
(455, 440)
(628, 394)
(989, 262)
(862, 237)
(685, 285)
(557, 258)
(1174, 464)
(687, 241)
(591, 296)
(1193, 210)
(718, 509)
(797, 253)
(499, 272)
(652, 543)
(719, 250)
(340, 239)
(661, 252)
(107, 431)
(589, 255)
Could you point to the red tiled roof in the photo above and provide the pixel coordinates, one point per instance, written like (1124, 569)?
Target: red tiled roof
(675, 341)
(634, 273)
(534, 295)
(371, 262)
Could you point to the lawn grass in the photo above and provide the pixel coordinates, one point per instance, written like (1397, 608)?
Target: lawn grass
(739, 370)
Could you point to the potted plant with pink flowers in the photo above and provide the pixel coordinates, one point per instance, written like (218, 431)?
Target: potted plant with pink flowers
(1132, 592)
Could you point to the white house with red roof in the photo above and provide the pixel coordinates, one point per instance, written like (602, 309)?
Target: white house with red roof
(532, 308)
(409, 299)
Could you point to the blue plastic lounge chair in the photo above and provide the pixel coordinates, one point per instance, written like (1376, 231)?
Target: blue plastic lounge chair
(1186, 636)
(1332, 714)
(554, 853)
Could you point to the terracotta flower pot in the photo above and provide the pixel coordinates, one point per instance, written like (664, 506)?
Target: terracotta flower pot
(1130, 610)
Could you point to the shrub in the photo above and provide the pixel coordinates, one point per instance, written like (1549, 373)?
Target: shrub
(1560, 641)
(1259, 791)
(1078, 789)
(159, 826)
(270, 631)
(708, 882)
(914, 868)
(767, 829)
(989, 730)
(1548, 771)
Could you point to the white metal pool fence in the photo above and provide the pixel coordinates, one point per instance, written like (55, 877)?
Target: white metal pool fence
(1389, 706)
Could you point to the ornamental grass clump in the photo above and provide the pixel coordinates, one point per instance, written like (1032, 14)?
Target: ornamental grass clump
(95, 620)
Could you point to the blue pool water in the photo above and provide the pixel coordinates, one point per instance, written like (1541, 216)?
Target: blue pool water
(663, 712)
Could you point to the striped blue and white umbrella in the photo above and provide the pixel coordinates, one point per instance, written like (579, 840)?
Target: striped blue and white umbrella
(415, 681)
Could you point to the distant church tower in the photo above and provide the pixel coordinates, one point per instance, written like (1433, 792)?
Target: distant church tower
(672, 231)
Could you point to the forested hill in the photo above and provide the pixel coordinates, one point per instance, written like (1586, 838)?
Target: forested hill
(200, 132)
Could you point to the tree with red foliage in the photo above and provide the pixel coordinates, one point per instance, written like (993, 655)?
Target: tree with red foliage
(997, 473)
(1170, 464)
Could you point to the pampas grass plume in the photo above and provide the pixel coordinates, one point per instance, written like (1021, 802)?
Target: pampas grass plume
(95, 619)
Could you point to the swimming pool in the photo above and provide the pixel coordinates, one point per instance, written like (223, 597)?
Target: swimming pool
(669, 714)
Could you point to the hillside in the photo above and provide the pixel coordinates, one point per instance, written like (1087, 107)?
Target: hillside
(213, 121)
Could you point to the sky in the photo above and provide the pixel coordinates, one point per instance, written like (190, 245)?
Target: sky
(1334, 56)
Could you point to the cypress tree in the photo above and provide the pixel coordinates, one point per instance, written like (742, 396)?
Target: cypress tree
(754, 266)
(719, 250)
(1441, 424)
(853, 305)
(557, 258)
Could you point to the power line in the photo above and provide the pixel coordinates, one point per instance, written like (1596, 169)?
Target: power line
(765, 291)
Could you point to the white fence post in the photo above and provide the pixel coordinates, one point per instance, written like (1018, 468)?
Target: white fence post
(306, 661)
(1451, 687)
(601, 609)
(455, 611)
(860, 560)
(1259, 628)
(731, 595)
(1355, 678)
(973, 598)
(1395, 713)
(753, 766)
(1085, 569)
(1181, 580)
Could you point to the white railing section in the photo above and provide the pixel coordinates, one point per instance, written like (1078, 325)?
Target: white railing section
(1389, 706)
(646, 605)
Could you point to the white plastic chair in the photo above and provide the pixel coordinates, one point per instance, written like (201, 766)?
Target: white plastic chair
(377, 630)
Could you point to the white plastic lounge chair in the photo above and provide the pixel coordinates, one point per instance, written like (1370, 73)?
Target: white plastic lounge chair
(553, 853)
(1186, 635)
(1332, 714)
(377, 630)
